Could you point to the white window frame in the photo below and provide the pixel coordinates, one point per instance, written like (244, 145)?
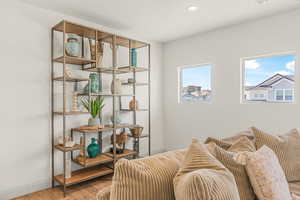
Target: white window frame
(284, 95)
(180, 80)
(243, 99)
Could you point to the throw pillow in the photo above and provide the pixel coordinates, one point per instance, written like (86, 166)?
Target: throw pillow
(227, 159)
(147, 178)
(287, 149)
(202, 176)
(266, 175)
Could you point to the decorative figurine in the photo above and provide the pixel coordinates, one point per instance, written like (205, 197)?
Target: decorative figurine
(121, 140)
(116, 86)
(75, 102)
(69, 142)
(133, 104)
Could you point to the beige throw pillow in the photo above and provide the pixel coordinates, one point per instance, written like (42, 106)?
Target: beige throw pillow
(147, 178)
(266, 175)
(227, 159)
(202, 176)
(287, 149)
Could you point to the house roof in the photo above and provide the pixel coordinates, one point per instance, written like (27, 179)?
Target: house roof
(270, 81)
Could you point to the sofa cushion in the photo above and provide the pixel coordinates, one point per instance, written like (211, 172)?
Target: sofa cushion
(104, 194)
(202, 176)
(227, 159)
(287, 149)
(147, 178)
(220, 143)
(266, 175)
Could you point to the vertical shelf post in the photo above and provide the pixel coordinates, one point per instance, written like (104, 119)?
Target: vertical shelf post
(149, 99)
(52, 107)
(114, 98)
(64, 104)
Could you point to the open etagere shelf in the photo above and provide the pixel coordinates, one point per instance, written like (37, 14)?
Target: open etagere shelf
(104, 163)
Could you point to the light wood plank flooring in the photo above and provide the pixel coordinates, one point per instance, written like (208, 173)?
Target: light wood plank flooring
(83, 191)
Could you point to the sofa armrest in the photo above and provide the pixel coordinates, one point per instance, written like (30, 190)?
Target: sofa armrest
(104, 194)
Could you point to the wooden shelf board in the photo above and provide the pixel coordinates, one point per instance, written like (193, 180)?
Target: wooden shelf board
(71, 79)
(105, 94)
(122, 41)
(74, 28)
(101, 159)
(86, 129)
(84, 175)
(120, 70)
(88, 32)
(74, 60)
(135, 84)
(71, 113)
(128, 110)
(126, 153)
(66, 149)
(142, 136)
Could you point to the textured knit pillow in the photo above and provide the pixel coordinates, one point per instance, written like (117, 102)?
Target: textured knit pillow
(287, 149)
(147, 178)
(266, 175)
(202, 176)
(227, 159)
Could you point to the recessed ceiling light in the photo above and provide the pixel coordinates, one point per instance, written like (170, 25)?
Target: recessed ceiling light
(262, 1)
(192, 8)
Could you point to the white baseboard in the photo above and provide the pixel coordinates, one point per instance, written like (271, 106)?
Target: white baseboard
(21, 190)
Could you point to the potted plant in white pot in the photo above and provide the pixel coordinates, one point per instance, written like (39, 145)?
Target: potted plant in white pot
(94, 107)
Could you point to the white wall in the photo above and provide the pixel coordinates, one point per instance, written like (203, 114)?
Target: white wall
(224, 48)
(25, 103)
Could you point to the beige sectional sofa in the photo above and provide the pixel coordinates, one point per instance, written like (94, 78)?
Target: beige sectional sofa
(139, 178)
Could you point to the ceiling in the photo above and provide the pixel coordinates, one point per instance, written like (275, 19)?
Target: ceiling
(166, 20)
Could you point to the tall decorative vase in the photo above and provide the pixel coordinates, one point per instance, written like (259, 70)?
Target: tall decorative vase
(73, 46)
(95, 84)
(116, 86)
(93, 149)
(133, 57)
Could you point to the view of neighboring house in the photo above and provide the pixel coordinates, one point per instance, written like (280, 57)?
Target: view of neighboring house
(195, 93)
(278, 88)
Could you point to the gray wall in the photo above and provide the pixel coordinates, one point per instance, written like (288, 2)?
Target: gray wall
(25, 103)
(224, 48)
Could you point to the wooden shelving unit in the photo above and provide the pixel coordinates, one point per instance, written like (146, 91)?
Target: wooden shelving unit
(104, 163)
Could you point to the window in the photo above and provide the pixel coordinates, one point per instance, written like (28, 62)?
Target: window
(279, 95)
(284, 95)
(269, 79)
(195, 83)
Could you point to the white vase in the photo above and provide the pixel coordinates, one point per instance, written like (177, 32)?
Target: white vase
(116, 86)
(94, 122)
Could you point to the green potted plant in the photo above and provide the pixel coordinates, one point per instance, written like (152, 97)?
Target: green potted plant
(94, 107)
